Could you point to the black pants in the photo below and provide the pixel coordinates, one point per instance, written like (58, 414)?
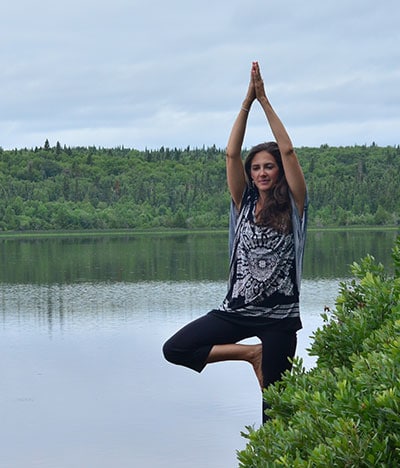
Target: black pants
(191, 345)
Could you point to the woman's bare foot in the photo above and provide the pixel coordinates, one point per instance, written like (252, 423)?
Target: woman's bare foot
(256, 362)
(239, 352)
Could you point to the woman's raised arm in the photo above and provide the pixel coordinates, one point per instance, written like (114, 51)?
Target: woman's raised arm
(293, 172)
(234, 166)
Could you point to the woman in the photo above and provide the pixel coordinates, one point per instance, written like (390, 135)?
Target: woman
(267, 236)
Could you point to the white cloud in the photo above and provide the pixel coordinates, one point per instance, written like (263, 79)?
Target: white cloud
(173, 73)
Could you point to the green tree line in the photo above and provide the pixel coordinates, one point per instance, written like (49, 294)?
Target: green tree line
(63, 188)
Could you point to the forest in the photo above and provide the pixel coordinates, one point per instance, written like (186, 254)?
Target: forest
(78, 188)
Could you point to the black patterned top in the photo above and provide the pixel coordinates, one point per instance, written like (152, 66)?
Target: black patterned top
(262, 280)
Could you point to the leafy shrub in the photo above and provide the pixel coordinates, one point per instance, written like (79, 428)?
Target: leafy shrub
(345, 411)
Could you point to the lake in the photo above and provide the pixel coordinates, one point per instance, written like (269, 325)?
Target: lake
(82, 322)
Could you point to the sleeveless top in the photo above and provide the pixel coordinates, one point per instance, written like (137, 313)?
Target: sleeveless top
(264, 277)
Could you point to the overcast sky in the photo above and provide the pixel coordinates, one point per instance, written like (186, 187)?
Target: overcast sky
(173, 73)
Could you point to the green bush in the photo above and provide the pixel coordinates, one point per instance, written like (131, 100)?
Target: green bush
(345, 411)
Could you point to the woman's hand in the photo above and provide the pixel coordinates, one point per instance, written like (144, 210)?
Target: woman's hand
(258, 82)
(251, 93)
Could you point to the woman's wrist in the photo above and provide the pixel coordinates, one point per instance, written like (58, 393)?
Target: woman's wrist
(246, 105)
(263, 100)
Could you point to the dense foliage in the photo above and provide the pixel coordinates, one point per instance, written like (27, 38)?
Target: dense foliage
(345, 411)
(97, 188)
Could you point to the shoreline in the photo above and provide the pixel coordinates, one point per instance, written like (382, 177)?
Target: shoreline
(166, 231)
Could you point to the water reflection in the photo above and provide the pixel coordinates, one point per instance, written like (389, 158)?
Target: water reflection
(329, 253)
(99, 304)
(175, 257)
(135, 258)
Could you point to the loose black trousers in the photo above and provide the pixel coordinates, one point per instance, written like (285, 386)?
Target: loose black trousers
(191, 345)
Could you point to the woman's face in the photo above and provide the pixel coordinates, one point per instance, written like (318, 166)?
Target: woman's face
(264, 171)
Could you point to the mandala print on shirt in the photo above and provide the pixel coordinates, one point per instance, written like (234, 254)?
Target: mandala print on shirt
(264, 261)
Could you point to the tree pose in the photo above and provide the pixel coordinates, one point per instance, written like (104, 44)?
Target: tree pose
(267, 237)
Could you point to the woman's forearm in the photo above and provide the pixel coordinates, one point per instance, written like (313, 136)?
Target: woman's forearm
(234, 166)
(278, 129)
(236, 137)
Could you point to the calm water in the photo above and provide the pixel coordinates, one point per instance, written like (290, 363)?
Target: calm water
(82, 322)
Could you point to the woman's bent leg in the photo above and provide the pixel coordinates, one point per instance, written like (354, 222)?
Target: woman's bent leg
(191, 346)
(239, 352)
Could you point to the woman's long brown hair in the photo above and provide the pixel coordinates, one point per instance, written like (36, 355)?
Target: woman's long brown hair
(276, 212)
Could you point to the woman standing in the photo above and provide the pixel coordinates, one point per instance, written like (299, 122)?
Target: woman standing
(267, 236)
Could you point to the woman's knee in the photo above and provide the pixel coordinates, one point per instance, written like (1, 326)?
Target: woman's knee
(169, 351)
(176, 352)
(180, 354)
